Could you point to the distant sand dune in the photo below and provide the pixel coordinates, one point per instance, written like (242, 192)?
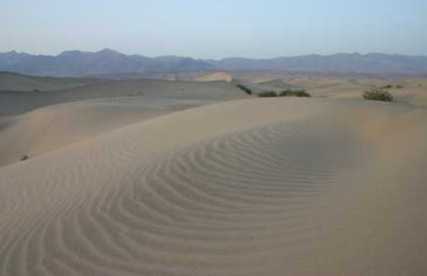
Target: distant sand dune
(34, 123)
(217, 76)
(249, 187)
(56, 126)
(24, 83)
(15, 102)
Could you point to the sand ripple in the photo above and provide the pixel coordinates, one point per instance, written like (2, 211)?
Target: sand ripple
(246, 202)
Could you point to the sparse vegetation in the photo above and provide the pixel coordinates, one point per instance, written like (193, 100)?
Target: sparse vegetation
(285, 93)
(391, 86)
(267, 94)
(378, 94)
(294, 93)
(25, 157)
(245, 89)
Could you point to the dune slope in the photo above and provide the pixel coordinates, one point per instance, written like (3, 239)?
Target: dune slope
(23, 83)
(50, 128)
(250, 187)
(14, 103)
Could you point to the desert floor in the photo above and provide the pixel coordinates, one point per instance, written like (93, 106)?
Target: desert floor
(155, 177)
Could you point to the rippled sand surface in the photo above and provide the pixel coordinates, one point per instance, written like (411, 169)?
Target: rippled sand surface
(248, 187)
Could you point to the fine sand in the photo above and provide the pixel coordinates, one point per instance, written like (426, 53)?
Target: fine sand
(33, 123)
(13, 102)
(23, 83)
(280, 186)
(217, 76)
(53, 127)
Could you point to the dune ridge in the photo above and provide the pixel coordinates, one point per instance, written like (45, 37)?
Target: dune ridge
(52, 127)
(248, 187)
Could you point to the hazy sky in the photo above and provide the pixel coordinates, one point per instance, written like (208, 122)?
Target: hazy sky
(216, 28)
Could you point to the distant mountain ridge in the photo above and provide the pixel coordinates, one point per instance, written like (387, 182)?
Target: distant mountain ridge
(78, 63)
(107, 61)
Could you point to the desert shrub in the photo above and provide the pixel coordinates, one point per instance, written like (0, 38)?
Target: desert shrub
(245, 89)
(378, 94)
(36, 90)
(24, 157)
(267, 94)
(388, 86)
(294, 93)
(399, 86)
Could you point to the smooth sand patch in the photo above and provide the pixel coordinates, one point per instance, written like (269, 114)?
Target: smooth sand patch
(24, 83)
(56, 126)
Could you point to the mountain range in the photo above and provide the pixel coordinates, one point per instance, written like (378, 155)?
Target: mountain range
(107, 61)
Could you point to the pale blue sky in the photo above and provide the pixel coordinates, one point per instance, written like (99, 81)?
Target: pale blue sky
(216, 28)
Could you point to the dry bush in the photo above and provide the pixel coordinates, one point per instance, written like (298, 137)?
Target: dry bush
(378, 94)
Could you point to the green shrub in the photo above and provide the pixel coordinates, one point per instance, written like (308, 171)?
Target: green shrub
(267, 94)
(245, 89)
(294, 93)
(388, 86)
(378, 94)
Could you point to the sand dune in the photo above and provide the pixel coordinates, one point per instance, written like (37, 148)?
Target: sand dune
(13, 102)
(249, 187)
(34, 123)
(23, 83)
(342, 86)
(217, 76)
(56, 126)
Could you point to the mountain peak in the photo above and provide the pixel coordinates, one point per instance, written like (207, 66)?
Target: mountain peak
(13, 53)
(71, 53)
(108, 51)
(75, 63)
(105, 51)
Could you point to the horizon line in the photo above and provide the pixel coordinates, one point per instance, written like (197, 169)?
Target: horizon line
(216, 59)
